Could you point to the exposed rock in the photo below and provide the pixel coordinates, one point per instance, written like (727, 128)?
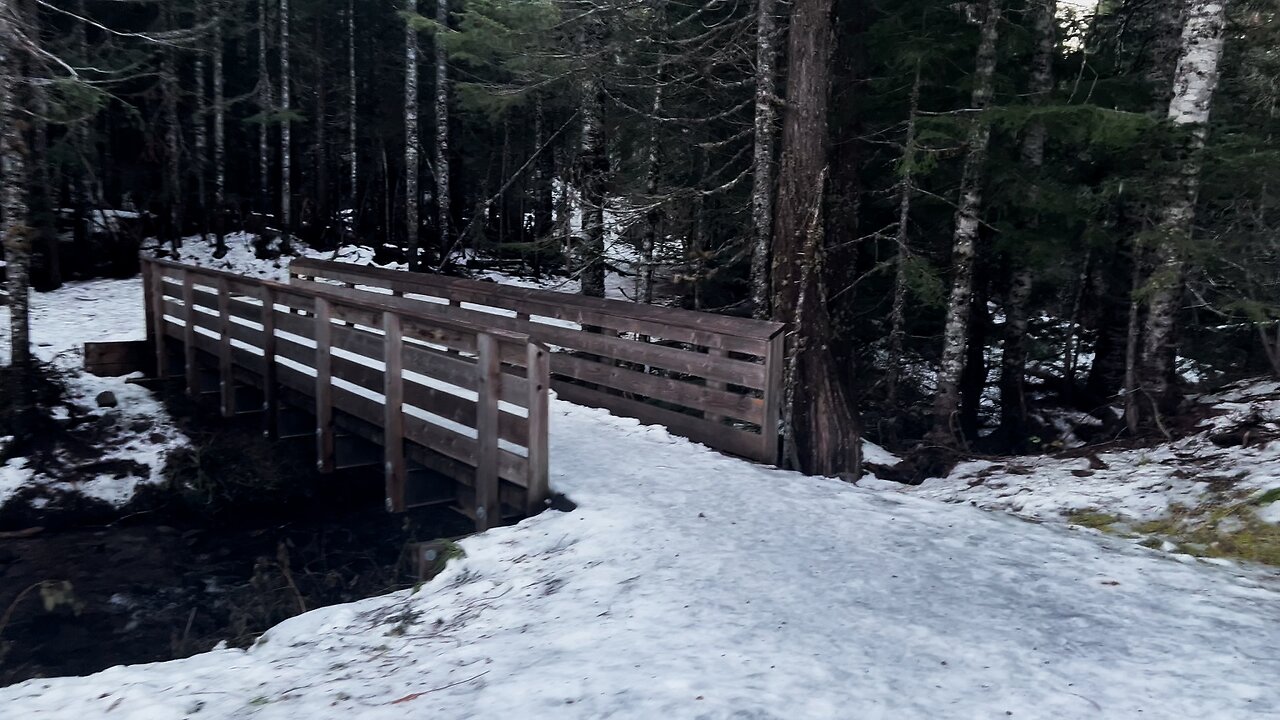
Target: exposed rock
(107, 399)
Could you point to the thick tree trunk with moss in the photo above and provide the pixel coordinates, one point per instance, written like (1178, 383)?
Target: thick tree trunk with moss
(821, 431)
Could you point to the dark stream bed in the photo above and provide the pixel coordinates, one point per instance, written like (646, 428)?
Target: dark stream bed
(81, 599)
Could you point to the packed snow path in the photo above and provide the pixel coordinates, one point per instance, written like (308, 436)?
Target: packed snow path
(689, 584)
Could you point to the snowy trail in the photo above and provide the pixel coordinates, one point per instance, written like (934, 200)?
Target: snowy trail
(691, 585)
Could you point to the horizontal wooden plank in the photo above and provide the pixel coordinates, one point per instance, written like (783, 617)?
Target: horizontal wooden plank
(721, 437)
(676, 392)
(547, 310)
(723, 324)
(674, 359)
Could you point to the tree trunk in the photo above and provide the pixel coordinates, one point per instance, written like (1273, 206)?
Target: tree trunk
(763, 163)
(1194, 84)
(1013, 365)
(820, 430)
(411, 168)
(46, 272)
(17, 234)
(202, 141)
(265, 109)
(593, 165)
(964, 243)
(172, 135)
(81, 142)
(443, 198)
(1166, 22)
(906, 193)
(543, 178)
(286, 134)
(653, 219)
(321, 210)
(353, 115)
(219, 131)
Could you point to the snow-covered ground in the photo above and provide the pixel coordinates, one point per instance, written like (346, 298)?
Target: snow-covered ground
(61, 322)
(1139, 484)
(688, 584)
(691, 585)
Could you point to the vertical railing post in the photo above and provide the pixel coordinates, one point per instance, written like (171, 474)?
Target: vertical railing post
(226, 381)
(538, 377)
(324, 387)
(270, 406)
(488, 507)
(715, 385)
(149, 303)
(189, 334)
(155, 318)
(393, 409)
(775, 359)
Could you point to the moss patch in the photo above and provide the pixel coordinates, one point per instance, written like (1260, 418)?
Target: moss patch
(1231, 531)
(1092, 519)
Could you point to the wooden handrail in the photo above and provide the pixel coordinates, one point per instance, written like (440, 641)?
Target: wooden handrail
(712, 378)
(260, 332)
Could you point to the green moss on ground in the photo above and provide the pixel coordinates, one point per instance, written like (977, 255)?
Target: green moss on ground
(1092, 519)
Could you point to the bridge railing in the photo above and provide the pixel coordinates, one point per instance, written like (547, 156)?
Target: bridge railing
(463, 400)
(712, 378)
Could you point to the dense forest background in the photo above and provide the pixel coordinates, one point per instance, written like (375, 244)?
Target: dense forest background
(990, 225)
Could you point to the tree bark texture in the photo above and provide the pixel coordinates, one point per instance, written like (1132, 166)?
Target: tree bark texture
(763, 159)
(821, 428)
(1195, 81)
(965, 240)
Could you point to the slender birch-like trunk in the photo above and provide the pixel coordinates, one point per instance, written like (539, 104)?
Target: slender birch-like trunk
(265, 108)
(1194, 83)
(172, 134)
(653, 219)
(219, 128)
(965, 240)
(543, 178)
(593, 164)
(286, 133)
(80, 133)
(763, 162)
(201, 131)
(1013, 364)
(17, 234)
(411, 137)
(906, 193)
(353, 127)
(443, 200)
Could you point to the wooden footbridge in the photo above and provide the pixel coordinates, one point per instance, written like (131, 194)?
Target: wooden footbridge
(448, 379)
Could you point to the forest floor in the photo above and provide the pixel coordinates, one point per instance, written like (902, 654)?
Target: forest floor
(1211, 491)
(690, 584)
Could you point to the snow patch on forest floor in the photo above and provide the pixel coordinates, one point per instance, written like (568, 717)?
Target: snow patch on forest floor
(133, 439)
(689, 584)
(241, 256)
(241, 259)
(1225, 476)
